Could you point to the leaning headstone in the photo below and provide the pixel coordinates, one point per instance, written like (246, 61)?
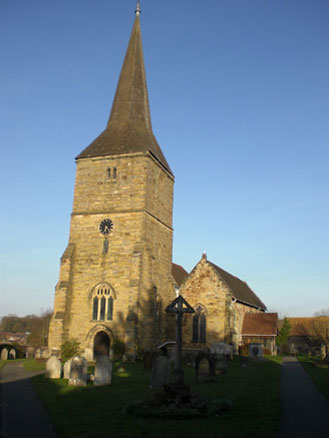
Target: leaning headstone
(160, 374)
(205, 368)
(78, 372)
(53, 368)
(4, 354)
(12, 354)
(67, 369)
(103, 371)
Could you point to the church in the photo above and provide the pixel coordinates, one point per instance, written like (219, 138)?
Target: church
(116, 273)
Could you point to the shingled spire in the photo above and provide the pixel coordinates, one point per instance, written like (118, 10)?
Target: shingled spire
(129, 128)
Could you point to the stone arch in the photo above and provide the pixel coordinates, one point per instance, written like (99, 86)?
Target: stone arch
(90, 340)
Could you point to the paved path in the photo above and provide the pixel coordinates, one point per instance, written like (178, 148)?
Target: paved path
(306, 411)
(22, 414)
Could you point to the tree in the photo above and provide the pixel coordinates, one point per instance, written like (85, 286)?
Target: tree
(69, 348)
(36, 325)
(283, 335)
(320, 326)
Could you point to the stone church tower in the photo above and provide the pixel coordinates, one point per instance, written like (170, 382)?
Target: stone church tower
(115, 274)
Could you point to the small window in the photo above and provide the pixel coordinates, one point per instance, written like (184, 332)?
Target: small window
(108, 172)
(199, 325)
(114, 172)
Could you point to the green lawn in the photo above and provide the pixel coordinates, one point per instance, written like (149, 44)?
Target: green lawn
(96, 411)
(33, 365)
(319, 375)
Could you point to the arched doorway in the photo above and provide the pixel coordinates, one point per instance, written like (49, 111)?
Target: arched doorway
(101, 345)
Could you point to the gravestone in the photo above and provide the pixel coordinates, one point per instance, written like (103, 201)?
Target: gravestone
(103, 371)
(160, 372)
(255, 350)
(4, 354)
(12, 354)
(222, 348)
(53, 368)
(221, 362)
(67, 369)
(148, 359)
(78, 372)
(205, 368)
(37, 353)
(45, 354)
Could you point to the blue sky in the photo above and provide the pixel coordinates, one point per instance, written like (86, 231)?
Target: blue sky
(239, 95)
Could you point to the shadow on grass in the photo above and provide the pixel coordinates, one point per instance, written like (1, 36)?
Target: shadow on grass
(95, 411)
(318, 373)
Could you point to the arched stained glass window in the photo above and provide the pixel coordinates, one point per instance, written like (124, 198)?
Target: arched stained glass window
(102, 303)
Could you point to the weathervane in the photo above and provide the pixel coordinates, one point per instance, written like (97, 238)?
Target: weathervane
(138, 9)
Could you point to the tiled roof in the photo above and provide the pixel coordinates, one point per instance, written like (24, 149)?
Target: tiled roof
(129, 128)
(179, 274)
(260, 324)
(241, 291)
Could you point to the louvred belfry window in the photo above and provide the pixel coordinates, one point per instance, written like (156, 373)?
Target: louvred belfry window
(199, 325)
(102, 304)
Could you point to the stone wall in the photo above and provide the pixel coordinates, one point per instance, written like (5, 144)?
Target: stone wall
(224, 315)
(136, 266)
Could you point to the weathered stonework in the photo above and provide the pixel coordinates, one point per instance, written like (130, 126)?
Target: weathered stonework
(124, 177)
(137, 265)
(205, 288)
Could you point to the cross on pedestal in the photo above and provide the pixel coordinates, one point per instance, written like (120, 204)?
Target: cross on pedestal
(178, 307)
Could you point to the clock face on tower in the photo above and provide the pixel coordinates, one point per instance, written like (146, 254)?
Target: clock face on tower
(106, 226)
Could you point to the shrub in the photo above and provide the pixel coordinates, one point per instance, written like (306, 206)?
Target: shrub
(69, 348)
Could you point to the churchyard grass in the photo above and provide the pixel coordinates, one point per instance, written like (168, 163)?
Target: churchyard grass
(3, 363)
(33, 365)
(319, 375)
(96, 411)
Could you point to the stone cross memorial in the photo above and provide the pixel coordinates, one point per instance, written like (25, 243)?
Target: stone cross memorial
(178, 307)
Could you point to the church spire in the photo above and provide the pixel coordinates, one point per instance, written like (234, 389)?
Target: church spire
(129, 127)
(138, 9)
